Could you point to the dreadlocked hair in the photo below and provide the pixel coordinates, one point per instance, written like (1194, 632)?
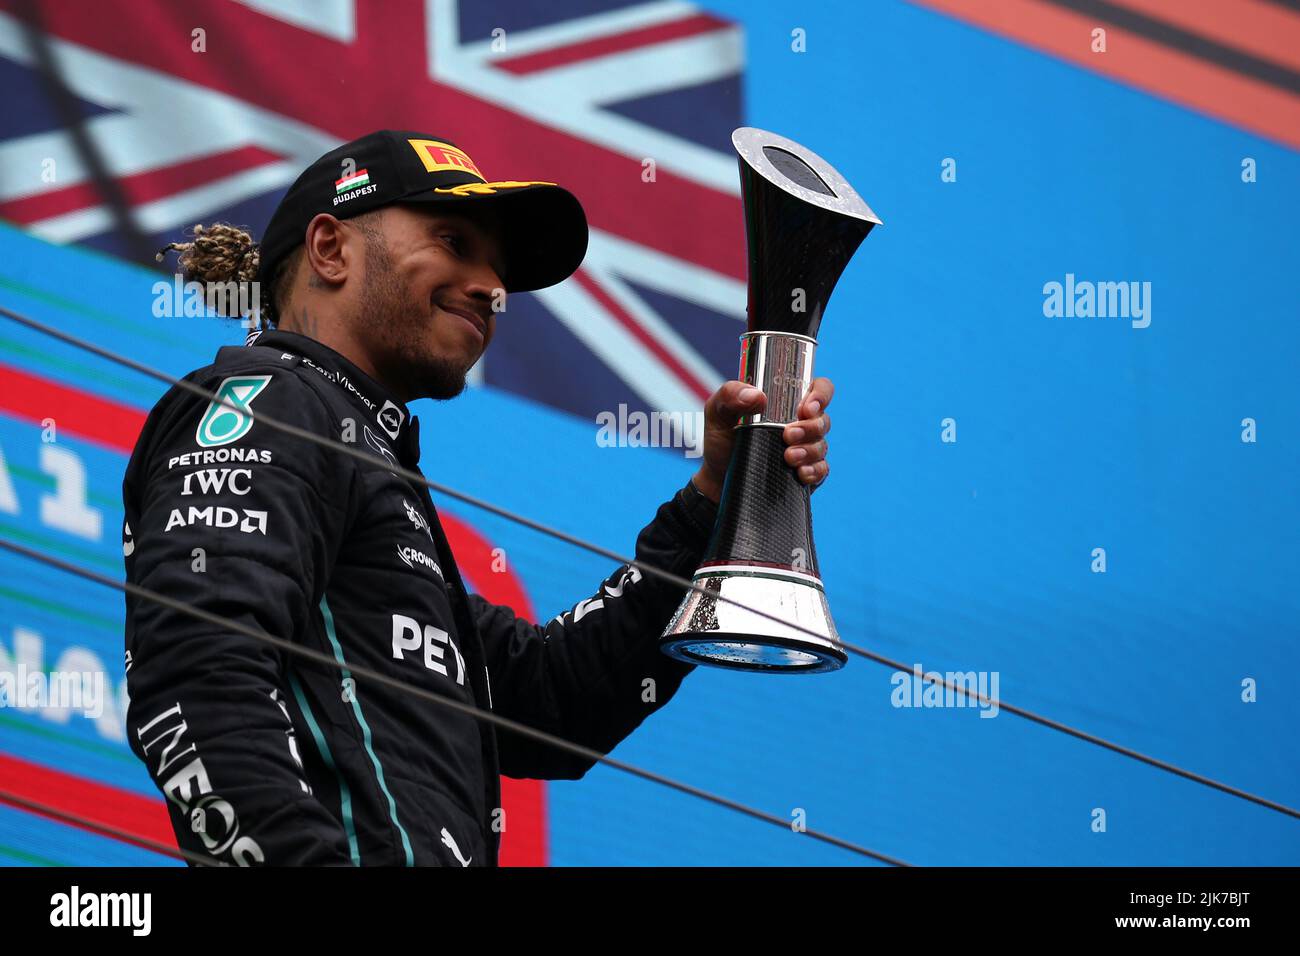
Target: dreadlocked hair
(223, 259)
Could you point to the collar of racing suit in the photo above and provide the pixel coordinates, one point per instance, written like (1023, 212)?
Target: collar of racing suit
(392, 421)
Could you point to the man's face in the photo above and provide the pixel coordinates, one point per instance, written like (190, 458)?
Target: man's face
(426, 268)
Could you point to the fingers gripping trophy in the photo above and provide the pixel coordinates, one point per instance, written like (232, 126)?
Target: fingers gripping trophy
(803, 222)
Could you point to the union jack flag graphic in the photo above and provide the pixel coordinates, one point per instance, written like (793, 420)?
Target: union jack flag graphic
(126, 125)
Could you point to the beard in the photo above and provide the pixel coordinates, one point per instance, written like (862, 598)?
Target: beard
(393, 318)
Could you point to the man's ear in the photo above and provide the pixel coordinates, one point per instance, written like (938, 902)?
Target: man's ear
(330, 251)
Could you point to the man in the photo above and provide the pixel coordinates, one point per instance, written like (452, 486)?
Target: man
(387, 263)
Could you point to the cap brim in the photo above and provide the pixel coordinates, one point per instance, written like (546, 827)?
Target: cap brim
(543, 230)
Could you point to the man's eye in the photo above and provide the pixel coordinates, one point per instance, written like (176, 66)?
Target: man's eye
(453, 239)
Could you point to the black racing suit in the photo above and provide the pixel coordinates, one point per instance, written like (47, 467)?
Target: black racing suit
(265, 757)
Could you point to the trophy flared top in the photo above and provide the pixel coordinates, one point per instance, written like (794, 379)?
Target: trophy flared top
(803, 223)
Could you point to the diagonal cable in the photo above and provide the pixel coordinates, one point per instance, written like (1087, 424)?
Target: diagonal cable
(484, 715)
(104, 829)
(682, 582)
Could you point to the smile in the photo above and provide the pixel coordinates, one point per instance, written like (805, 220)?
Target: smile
(474, 321)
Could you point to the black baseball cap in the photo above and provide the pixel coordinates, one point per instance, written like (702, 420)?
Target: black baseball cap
(543, 227)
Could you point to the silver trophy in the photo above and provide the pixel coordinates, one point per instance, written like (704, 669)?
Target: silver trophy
(803, 222)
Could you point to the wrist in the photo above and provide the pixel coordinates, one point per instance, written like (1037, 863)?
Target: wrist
(707, 485)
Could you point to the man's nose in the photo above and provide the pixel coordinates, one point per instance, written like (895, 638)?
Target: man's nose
(486, 286)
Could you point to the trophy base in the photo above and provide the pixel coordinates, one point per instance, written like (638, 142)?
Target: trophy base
(706, 630)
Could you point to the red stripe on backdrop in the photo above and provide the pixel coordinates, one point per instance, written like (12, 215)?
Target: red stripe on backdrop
(477, 563)
(141, 188)
(1257, 27)
(620, 315)
(138, 815)
(390, 54)
(99, 420)
(116, 427)
(615, 43)
(1171, 74)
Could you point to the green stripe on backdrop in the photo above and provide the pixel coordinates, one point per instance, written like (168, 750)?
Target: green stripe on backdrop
(31, 859)
(46, 732)
(53, 546)
(112, 625)
(41, 479)
(78, 371)
(127, 326)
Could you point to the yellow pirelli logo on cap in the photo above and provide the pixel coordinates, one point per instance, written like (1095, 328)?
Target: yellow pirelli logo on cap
(438, 157)
(485, 189)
